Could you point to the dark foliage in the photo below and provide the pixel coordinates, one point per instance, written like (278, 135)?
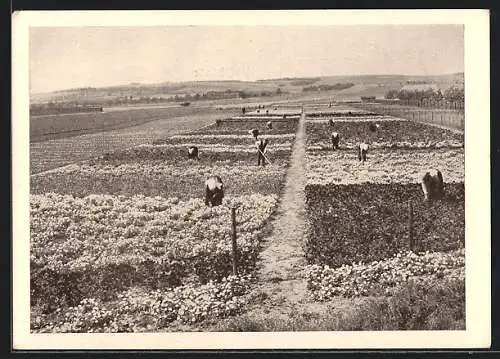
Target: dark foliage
(369, 222)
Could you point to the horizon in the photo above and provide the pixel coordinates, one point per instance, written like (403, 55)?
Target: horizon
(244, 81)
(80, 57)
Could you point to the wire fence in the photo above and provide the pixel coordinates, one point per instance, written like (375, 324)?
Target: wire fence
(444, 117)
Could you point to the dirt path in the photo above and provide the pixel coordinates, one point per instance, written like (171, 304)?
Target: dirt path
(282, 257)
(280, 295)
(282, 260)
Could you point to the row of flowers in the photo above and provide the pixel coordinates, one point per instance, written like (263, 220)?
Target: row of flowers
(361, 279)
(322, 145)
(224, 136)
(223, 170)
(141, 310)
(383, 166)
(81, 233)
(367, 118)
(217, 147)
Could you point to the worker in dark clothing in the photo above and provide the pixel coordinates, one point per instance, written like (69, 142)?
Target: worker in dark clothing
(261, 150)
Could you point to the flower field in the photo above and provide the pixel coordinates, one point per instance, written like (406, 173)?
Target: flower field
(397, 133)
(140, 310)
(382, 276)
(228, 139)
(159, 179)
(208, 154)
(124, 241)
(336, 110)
(361, 238)
(244, 124)
(98, 245)
(383, 166)
(369, 221)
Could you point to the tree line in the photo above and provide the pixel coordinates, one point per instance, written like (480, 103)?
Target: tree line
(65, 106)
(451, 97)
(337, 86)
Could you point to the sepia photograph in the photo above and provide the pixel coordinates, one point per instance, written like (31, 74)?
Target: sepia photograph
(302, 181)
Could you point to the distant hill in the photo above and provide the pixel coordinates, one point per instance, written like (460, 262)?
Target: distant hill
(364, 85)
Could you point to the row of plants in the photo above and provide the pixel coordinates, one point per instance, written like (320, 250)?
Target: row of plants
(389, 132)
(383, 276)
(134, 222)
(383, 166)
(178, 155)
(100, 244)
(370, 221)
(144, 310)
(156, 178)
(227, 139)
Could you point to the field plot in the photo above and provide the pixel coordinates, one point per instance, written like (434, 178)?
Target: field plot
(184, 180)
(46, 155)
(124, 241)
(274, 111)
(383, 166)
(391, 133)
(228, 139)
(44, 128)
(369, 231)
(369, 221)
(335, 110)
(110, 243)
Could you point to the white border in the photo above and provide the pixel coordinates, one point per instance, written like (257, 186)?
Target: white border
(477, 194)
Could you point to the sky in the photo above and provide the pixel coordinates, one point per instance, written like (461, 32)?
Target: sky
(63, 57)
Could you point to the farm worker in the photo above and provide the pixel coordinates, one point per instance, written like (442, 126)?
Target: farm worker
(432, 185)
(269, 125)
(254, 132)
(374, 127)
(214, 191)
(335, 140)
(261, 151)
(362, 151)
(331, 122)
(193, 152)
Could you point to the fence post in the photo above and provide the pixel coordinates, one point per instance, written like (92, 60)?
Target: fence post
(432, 116)
(233, 222)
(410, 225)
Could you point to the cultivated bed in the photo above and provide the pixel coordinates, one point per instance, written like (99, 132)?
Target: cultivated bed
(124, 242)
(228, 139)
(98, 245)
(370, 221)
(383, 166)
(390, 134)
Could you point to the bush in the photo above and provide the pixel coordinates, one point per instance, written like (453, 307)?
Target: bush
(417, 305)
(368, 222)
